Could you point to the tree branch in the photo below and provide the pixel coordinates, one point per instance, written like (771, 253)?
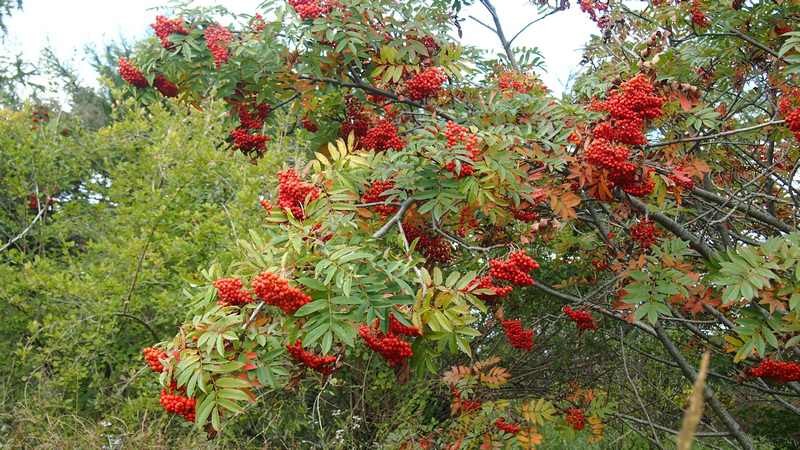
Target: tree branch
(373, 90)
(397, 217)
(688, 371)
(498, 29)
(26, 230)
(717, 135)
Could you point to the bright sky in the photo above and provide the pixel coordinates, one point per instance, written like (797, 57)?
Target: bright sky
(67, 26)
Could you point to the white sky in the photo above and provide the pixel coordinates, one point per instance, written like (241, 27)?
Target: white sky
(67, 26)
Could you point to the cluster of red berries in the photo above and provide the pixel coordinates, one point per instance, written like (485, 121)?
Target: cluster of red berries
(390, 346)
(514, 81)
(628, 107)
(293, 193)
(644, 232)
(218, 38)
(592, 8)
(135, 78)
(252, 115)
(153, 357)
(516, 268)
(789, 106)
(435, 248)
(311, 9)
(131, 74)
(457, 135)
(396, 327)
(309, 124)
(575, 418)
(375, 194)
(583, 319)
(178, 404)
(525, 212)
(507, 427)
(356, 120)
(165, 27)
(164, 86)
(248, 142)
(231, 292)
(430, 44)
(321, 364)
(681, 178)
(257, 23)
(276, 291)
(486, 283)
(518, 336)
(698, 16)
(383, 136)
(779, 371)
(426, 84)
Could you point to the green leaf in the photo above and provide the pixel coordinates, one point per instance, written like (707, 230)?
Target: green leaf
(234, 394)
(231, 382)
(204, 409)
(311, 308)
(313, 283)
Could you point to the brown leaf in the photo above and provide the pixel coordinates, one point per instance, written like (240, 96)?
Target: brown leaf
(456, 374)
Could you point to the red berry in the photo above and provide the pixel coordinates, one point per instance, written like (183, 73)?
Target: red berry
(575, 418)
(375, 194)
(518, 336)
(153, 357)
(391, 347)
(321, 364)
(276, 291)
(426, 84)
(218, 38)
(165, 27)
(583, 319)
(231, 292)
(507, 427)
(515, 268)
(166, 87)
(383, 136)
(294, 194)
(131, 74)
(778, 371)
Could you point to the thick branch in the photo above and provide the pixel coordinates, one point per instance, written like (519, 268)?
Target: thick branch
(674, 227)
(498, 29)
(688, 371)
(756, 213)
(396, 218)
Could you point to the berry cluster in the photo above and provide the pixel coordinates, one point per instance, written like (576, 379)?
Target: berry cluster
(375, 194)
(309, 124)
(257, 23)
(789, 106)
(230, 292)
(457, 135)
(515, 81)
(393, 348)
(252, 115)
(247, 142)
(131, 74)
(153, 357)
(164, 86)
(430, 44)
(276, 291)
(779, 371)
(486, 283)
(592, 8)
(435, 248)
(165, 27)
(311, 9)
(518, 336)
(628, 107)
(516, 268)
(383, 136)
(398, 328)
(218, 38)
(356, 120)
(426, 84)
(644, 232)
(507, 427)
(321, 364)
(681, 178)
(462, 405)
(178, 404)
(583, 319)
(698, 16)
(575, 418)
(525, 212)
(293, 193)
